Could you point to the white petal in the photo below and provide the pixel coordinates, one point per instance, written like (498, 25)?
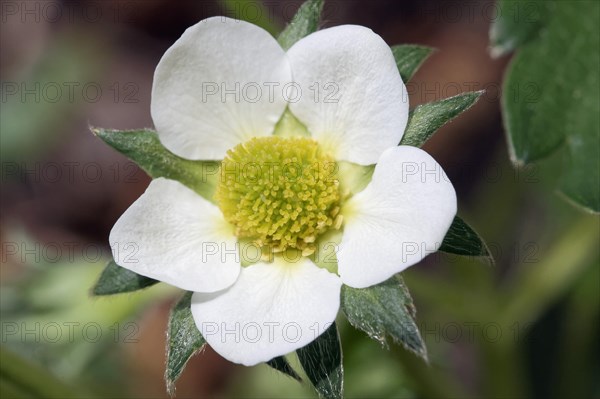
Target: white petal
(362, 107)
(398, 219)
(172, 234)
(193, 114)
(273, 309)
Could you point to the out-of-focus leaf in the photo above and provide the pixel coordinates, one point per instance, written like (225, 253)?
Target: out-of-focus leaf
(579, 182)
(384, 310)
(409, 58)
(144, 148)
(183, 340)
(38, 105)
(305, 22)
(22, 379)
(540, 285)
(281, 364)
(49, 293)
(516, 22)
(322, 362)
(116, 280)
(551, 96)
(461, 239)
(426, 119)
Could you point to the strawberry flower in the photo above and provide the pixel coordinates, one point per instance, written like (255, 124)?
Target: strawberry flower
(294, 131)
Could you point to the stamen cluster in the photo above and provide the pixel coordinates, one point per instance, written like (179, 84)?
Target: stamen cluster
(280, 192)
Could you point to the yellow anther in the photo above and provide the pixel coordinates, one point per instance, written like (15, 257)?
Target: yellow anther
(279, 192)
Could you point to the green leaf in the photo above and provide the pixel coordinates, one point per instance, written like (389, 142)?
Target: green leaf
(282, 365)
(183, 340)
(117, 280)
(322, 362)
(409, 58)
(551, 96)
(305, 22)
(22, 379)
(426, 119)
(579, 182)
(516, 23)
(384, 310)
(461, 239)
(144, 148)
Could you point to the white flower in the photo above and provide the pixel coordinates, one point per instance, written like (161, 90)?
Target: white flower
(218, 93)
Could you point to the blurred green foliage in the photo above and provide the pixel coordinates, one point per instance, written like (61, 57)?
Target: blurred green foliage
(49, 317)
(37, 106)
(552, 89)
(21, 379)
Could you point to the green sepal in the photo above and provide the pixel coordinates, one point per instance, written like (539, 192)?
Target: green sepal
(305, 22)
(409, 58)
(282, 365)
(424, 120)
(117, 280)
(289, 126)
(143, 147)
(461, 239)
(322, 362)
(384, 310)
(183, 340)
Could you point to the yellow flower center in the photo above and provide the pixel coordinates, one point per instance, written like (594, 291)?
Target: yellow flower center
(280, 192)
